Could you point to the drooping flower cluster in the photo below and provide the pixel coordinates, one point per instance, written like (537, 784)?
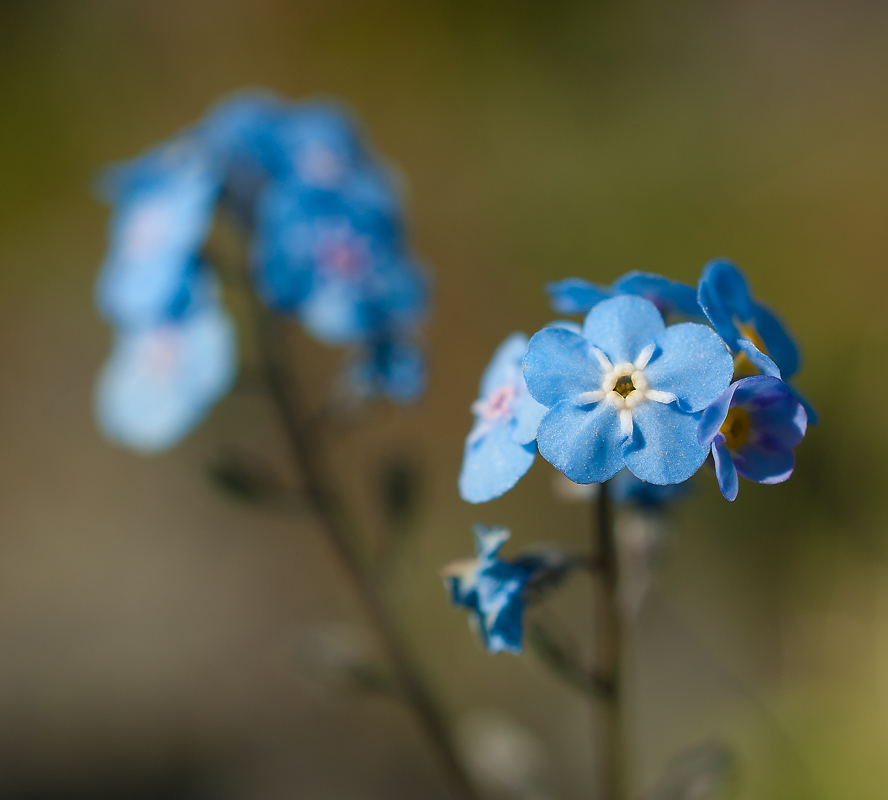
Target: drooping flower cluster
(626, 394)
(327, 243)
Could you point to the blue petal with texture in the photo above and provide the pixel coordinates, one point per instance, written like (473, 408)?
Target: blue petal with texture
(670, 297)
(663, 447)
(504, 364)
(528, 414)
(584, 442)
(622, 327)
(759, 464)
(575, 295)
(493, 463)
(559, 365)
(692, 363)
(725, 472)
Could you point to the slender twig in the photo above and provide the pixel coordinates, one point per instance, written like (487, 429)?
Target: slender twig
(309, 458)
(609, 636)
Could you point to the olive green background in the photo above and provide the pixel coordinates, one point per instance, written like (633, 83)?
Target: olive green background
(149, 626)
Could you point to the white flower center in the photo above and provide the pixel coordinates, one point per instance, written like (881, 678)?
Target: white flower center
(624, 387)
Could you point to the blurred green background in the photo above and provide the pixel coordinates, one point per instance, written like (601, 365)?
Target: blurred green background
(149, 627)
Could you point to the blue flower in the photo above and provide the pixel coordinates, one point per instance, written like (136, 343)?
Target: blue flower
(578, 296)
(496, 591)
(164, 206)
(161, 381)
(320, 146)
(626, 489)
(500, 447)
(627, 392)
(337, 260)
(749, 328)
(752, 429)
(395, 369)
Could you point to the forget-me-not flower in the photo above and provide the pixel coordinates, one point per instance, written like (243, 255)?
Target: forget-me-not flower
(500, 447)
(628, 391)
(749, 328)
(752, 430)
(163, 208)
(579, 296)
(496, 591)
(161, 381)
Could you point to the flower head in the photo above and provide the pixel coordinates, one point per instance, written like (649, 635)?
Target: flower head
(752, 430)
(161, 381)
(578, 296)
(164, 206)
(628, 391)
(749, 328)
(500, 447)
(496, 591)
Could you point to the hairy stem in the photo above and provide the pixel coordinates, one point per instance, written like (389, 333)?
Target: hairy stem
(309, 458)
(608, 639)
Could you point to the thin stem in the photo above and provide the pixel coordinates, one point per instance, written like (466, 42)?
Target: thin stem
(309, 458)
(609, 635)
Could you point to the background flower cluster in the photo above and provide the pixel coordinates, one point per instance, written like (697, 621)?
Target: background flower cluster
(325, 235)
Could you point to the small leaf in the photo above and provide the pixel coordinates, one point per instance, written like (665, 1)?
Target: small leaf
(245, 479)
(705, 772)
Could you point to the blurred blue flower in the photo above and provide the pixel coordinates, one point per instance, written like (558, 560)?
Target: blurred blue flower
(164, 206)
(627, 392)
(752, 430)
(320, 146)
(337, 260)
(161, 381)
(395, 369)
(749, 328)
(496, 591)
(500, 447)
(626, 489)
(578, 296)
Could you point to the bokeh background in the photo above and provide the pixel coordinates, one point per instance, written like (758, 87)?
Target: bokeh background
(150, 627)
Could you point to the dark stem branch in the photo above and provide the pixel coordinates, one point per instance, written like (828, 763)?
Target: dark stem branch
(308, 455)
(609, 645)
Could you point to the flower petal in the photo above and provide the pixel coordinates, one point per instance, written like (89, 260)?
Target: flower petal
(559, 365)
(714, 416)
(761, 465)
(623, 326)
(781, 348)
(725, 471)
(664, 447)
(692, 363)
(504, 365)
(493, 464)
(724, 296)
(575, 295)
(758, 359)
(584, 443)
(670, 297)
(528, 413)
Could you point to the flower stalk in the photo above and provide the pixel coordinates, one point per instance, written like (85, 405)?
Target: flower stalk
(608, 632)
(307, 452)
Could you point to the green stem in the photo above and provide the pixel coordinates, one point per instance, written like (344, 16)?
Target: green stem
(608, 628)
(309, 457)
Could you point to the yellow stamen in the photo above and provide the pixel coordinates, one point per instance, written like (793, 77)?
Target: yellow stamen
(736, 427)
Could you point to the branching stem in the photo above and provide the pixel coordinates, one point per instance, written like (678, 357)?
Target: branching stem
(308, 455)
